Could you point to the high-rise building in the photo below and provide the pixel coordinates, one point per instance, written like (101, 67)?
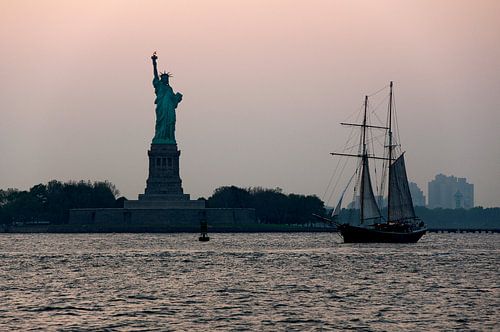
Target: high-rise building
(417, 195)
(450, 192)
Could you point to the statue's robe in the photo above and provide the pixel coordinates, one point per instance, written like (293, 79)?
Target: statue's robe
(166, 102)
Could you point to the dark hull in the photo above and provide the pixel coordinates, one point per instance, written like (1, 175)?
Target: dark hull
(353, 234)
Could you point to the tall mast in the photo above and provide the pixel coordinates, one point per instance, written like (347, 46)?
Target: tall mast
(364, 160)
(390, 153)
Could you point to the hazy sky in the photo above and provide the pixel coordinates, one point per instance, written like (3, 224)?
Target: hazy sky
(265, 85)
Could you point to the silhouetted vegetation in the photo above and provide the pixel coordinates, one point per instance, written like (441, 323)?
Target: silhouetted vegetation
(272, 206)
(478, 217)
(52, 201)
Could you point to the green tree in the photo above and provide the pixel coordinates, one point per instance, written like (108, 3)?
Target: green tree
(272, 206)
(52, 202)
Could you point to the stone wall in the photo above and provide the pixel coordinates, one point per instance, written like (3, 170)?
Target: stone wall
(158, 220)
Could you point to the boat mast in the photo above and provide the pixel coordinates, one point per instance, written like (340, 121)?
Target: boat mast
(364, 160)
(390, 153)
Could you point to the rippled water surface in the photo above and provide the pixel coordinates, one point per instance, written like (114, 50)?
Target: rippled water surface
(247, 282)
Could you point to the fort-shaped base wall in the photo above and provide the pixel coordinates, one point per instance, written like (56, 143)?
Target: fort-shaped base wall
(159, 220)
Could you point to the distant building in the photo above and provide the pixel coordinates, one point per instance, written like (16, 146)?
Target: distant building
(450, 192)
(417, 195)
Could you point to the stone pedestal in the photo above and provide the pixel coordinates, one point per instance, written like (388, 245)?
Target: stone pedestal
(164, 179)
(164, 185)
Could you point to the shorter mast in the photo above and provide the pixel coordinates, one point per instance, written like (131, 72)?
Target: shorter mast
(362, 189)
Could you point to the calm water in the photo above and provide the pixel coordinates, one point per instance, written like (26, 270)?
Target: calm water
(247, 282)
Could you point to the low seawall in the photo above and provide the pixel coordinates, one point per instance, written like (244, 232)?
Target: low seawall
(156, 220)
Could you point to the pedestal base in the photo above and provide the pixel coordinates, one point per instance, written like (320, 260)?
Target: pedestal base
(159, 204)
(182, 197)
(164, 185)
(163, 178)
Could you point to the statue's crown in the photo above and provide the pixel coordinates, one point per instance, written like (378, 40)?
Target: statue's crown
(165, 73)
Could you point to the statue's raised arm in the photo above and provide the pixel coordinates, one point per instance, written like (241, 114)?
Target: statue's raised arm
(154, 57)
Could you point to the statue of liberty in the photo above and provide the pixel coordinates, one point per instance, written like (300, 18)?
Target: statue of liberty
(166, 102)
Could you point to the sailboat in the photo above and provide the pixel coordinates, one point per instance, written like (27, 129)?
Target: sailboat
(400, 224)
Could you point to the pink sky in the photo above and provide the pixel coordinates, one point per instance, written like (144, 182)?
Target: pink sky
(265, 85)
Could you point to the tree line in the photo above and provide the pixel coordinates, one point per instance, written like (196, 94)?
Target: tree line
(477, 217)
(52, 201)
(271, 206)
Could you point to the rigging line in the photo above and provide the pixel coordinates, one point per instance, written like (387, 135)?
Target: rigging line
(376, 115)
(368, 140)
(374, 163)
(386, 164)
(336, 168)
(343, 192)
(380, 120)
(383, 180)
(359, 114)
(354, 112)
(351, 147)
(335, 172)
(351, 133)
(379, 135)
(351, 136)
(396, 121)
(336, 182)
(348, 145)
(328, 201)
(375, 139)
(378, 105)
(349, 139)
(380, 90)
(379, 142)
(372, 111)
(339, 176)
(330, 182)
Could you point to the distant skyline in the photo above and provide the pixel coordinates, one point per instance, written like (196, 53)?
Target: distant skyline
(265, 84)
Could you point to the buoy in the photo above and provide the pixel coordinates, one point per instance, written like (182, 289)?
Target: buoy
(204, 230)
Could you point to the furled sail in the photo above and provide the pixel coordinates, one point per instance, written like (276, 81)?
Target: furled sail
(400, 202)
(371, 211)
